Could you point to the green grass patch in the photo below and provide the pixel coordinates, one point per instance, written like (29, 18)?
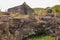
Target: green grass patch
(40, 38)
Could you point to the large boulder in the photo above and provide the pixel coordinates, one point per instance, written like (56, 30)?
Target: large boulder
(18, 29)
(21, 9)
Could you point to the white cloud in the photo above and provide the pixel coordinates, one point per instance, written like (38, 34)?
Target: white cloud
(5, 4)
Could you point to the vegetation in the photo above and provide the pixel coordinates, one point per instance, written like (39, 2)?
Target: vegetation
(41, 38)
(56, 8)
(43, 11)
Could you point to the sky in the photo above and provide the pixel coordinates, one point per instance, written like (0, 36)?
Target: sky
(5, 4)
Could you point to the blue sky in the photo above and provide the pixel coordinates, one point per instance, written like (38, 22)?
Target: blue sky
(5, 4)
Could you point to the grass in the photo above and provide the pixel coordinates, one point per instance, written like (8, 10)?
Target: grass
(41, 38)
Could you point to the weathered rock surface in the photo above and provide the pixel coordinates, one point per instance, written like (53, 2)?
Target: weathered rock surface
(18, 29)
(21, 9)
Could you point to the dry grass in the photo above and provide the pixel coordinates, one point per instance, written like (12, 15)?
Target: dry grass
(19, 15)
